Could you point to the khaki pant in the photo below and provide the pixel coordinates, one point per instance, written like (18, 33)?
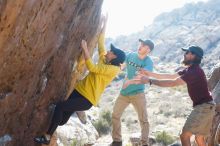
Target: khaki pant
(139, 103)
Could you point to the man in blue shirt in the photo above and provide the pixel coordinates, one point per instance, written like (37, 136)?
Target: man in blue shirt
(133, 94)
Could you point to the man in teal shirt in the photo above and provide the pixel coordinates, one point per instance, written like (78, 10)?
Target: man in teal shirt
(133, 94)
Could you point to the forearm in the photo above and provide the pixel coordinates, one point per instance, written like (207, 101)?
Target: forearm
(101, 43)
(162, 76)
(162, 82)
(167, 82)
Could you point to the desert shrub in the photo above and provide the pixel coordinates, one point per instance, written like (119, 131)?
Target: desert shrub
(77, 142)
(103, 124)
(74, 142)
(164, 138)
(107, 116)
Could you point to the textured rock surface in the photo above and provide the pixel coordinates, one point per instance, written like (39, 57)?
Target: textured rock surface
(39, 48)
(214, 83)
(214, 86)
(77, 133)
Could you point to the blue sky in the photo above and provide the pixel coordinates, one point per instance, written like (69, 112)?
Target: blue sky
(128, 16)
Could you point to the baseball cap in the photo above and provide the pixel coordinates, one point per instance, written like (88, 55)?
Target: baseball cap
(195, 49)
(120, 55)
(148, 43)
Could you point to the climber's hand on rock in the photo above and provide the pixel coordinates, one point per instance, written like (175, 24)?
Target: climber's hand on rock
(85, 49)
(84, 45)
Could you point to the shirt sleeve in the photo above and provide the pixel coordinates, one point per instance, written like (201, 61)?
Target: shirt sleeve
(149, 65)
(187, 76)
(101, 69)
(101, 45)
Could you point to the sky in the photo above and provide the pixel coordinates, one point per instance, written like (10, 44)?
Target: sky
(129, 16)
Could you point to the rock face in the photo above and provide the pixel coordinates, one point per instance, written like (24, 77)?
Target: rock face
(214, 83)
(39, 48)
(214, 86)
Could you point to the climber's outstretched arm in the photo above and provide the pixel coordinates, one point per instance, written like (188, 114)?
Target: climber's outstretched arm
(101, 41)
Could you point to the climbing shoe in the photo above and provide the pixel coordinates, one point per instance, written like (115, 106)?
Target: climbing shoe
(116, 143)
(42, 140)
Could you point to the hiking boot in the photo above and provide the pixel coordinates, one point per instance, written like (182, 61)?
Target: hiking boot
(116, 143)
(42, 140)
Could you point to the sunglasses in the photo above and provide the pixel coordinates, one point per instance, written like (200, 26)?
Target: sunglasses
(187, 52)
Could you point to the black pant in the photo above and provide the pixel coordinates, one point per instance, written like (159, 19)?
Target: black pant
(64, 109)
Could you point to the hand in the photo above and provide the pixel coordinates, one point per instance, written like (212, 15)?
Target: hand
(144, 72)
(139, 79)
(85, 49)
(143, 79)
(84, 45)
(126, 84)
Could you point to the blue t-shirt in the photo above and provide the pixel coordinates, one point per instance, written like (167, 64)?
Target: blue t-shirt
(133, 64)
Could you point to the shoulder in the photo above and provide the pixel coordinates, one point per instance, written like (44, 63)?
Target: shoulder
(148, 60)
(196, 68)
(194, 71)
(115, 69)
(131, 55)
(110, 69)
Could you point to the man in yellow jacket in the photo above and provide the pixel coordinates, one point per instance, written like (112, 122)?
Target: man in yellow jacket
(87, 91)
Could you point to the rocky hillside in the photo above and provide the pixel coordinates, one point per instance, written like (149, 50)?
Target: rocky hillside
(195, 23)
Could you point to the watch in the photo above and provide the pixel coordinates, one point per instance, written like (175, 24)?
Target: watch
(150, 81)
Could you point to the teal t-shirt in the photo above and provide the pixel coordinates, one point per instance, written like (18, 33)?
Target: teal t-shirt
(133, 64)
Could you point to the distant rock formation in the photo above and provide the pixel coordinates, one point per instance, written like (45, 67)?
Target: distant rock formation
(39, 49)
(195, 23)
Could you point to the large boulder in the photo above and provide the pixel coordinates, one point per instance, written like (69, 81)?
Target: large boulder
(214, 86)
(39, 49)
(214, 83)
(74, 132)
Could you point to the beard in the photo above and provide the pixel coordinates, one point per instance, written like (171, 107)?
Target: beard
(186, 62)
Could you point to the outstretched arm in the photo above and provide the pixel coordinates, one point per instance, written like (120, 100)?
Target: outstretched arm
(167, 82)
(158, 75)
(139, 79)
(142, 79)
(101, 41)
(94, 67)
